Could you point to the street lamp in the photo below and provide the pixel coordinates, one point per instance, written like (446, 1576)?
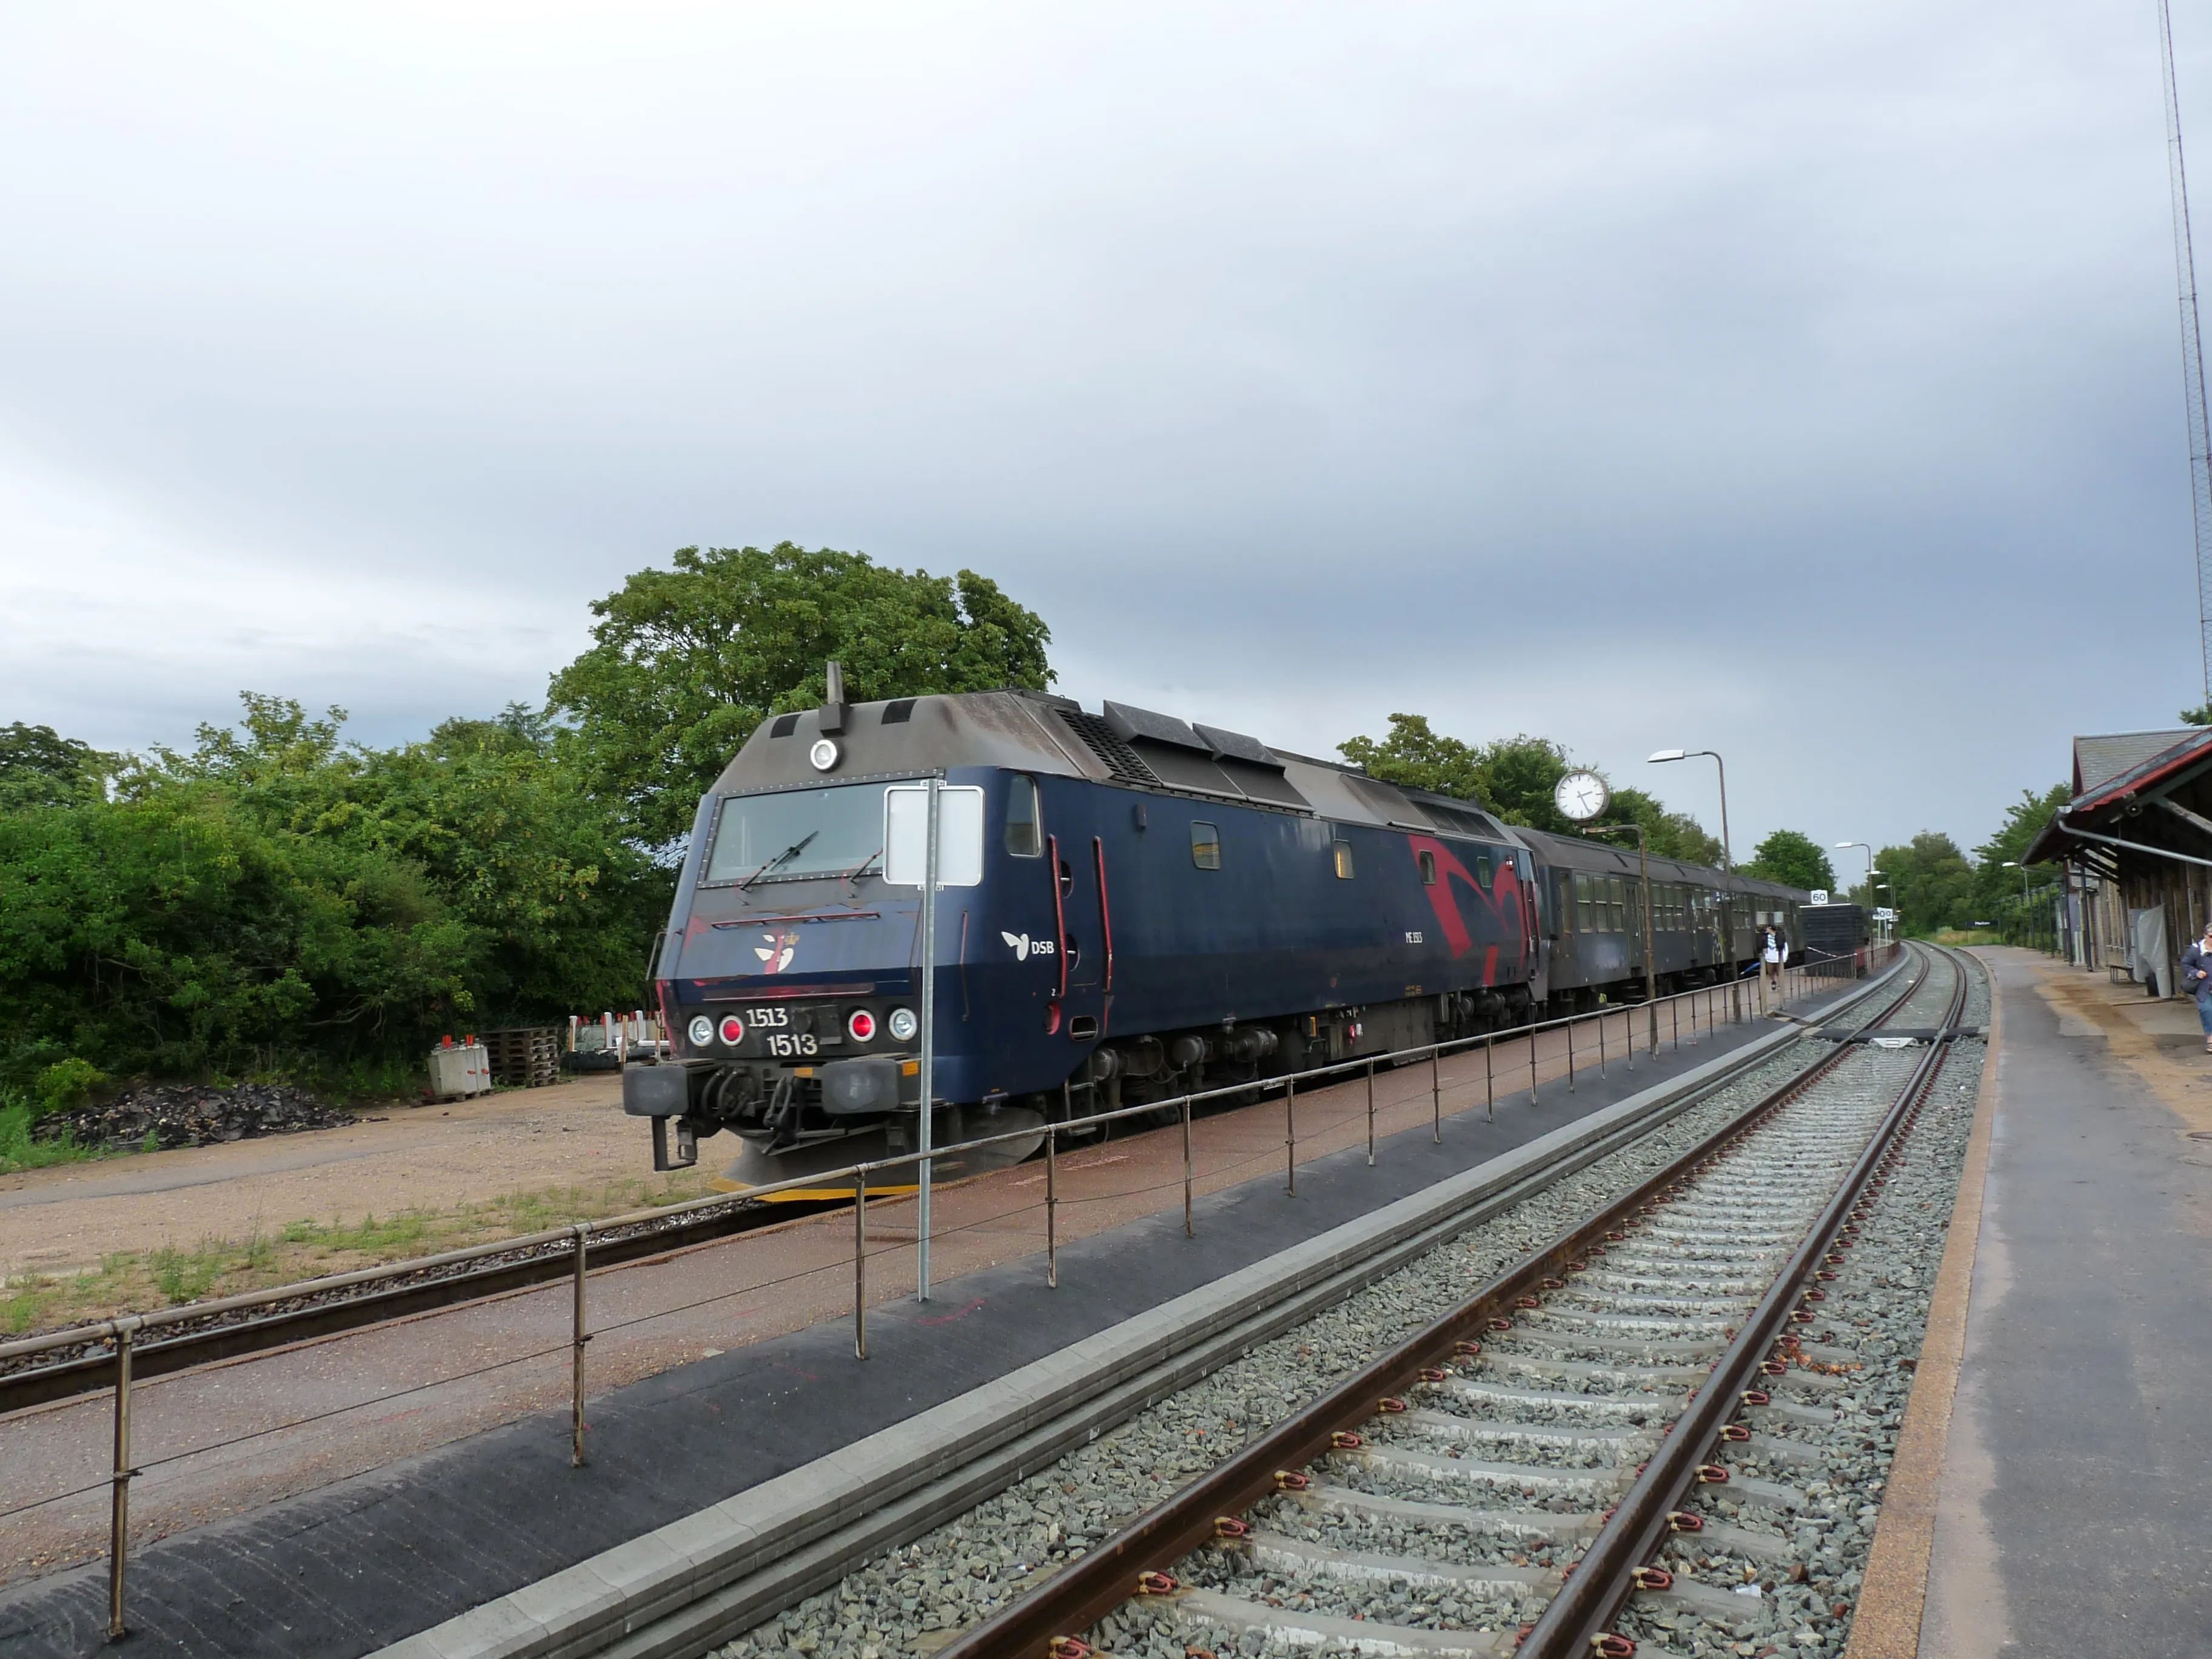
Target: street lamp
(1869, 851)
(1728, 856)
(2015, 864)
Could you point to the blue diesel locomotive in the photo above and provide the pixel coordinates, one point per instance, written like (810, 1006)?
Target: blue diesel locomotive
(1163, 907)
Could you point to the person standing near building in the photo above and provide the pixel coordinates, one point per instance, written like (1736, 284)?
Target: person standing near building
(2196, 981)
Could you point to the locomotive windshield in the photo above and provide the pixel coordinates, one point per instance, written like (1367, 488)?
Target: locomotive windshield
(797, 834)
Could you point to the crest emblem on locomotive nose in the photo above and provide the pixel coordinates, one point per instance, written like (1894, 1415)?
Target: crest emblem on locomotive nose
(776, 955)
(1018, 943)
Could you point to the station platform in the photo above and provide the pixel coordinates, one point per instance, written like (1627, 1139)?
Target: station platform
(368, 1560)
(2052, 1476)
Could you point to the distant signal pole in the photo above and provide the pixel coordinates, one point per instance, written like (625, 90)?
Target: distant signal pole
(2192, 350)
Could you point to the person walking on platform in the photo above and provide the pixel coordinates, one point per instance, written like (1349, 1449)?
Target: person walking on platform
(1770, 953)
(2196, 980)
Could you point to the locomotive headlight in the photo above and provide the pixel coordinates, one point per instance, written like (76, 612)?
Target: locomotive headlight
(733, 1029)
(862, 1026)
(824, 754)
(903, 1025)
(703, 1031)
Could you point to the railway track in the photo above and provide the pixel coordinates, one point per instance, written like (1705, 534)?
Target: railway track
(1544, 1468)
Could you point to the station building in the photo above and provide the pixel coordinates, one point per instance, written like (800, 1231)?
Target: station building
(2135, 844)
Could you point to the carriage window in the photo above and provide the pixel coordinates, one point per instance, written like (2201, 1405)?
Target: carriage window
(1343, 852)
(1428, 861)
(1024, 828)
(1204, 845)
(1585, 920)
(1616, 905)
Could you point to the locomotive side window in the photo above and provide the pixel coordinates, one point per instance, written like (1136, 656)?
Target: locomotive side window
(1484, 872)
(1342, 852)
(1204, 845)
(1428, 862)
(1024, 824)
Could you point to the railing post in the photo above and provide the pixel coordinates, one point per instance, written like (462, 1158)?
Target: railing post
(1052, 1206)
(1436, 1097)
(1674, 1021)
(1489, 1078)
(1371, 1113)
(1532, 1062)
(1600, 1043)
(1189, 1227)
(860, 1264)
(1570, 1056)
(1291, 1130)
(1651, 1038)
(119, 1523)
(582, 1231)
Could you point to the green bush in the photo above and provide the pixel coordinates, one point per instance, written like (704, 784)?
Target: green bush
(278, 902)
(66, 1086)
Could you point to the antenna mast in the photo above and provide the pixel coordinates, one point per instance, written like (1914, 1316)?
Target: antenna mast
(2192, 351)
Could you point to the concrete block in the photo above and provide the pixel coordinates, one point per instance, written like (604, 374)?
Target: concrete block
(497, 1630)
(577, 1599)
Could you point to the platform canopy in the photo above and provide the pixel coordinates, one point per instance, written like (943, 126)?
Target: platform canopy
(2137, 843)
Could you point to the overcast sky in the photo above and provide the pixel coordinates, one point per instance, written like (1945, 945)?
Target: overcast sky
(1800, 382)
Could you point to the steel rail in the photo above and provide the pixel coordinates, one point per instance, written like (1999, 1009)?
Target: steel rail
(1636, 1531)
(343, 1302)
(1086, 1590)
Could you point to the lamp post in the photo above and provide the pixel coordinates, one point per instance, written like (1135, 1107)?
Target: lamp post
(1728, 856)
(2015, 864)
(1650, 942)
(1873, 882)
(1869, 851)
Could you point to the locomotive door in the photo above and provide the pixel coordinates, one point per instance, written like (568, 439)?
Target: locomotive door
(1085, 922)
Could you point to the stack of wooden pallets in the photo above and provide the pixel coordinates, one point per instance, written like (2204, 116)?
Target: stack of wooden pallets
(527, 1057)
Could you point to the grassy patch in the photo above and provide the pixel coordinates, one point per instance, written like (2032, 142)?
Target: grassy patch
(19, 1152)
(307, 1248)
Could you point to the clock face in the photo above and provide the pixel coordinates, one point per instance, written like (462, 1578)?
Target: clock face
(1581, 795)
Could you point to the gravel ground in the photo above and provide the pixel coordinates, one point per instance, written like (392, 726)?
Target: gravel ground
(185, 1114)
(911, 1602)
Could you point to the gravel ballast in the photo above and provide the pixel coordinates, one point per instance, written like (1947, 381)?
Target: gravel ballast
(910, 1602)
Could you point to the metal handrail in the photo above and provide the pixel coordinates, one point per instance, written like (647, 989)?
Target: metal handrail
(105, 1330)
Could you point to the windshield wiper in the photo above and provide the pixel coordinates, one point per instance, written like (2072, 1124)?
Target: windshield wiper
(784, 857)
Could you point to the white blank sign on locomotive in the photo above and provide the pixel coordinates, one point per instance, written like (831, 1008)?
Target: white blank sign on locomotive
(959, 835)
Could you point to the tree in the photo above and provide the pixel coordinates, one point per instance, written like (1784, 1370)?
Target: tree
(38, 766)
(1414, 755)
(1514, 777)
(1793, 859)
(685, 662)
(2024, 820)
(2200, 715)
(1933, 883)
(278, 899)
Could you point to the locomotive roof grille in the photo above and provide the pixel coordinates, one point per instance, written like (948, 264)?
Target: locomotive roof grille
(1117, 757)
